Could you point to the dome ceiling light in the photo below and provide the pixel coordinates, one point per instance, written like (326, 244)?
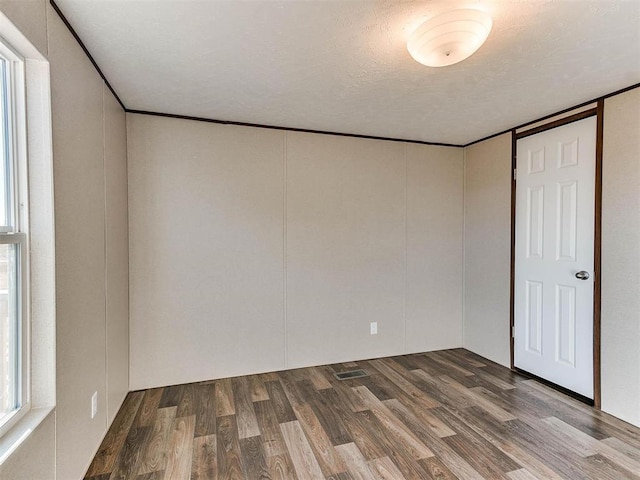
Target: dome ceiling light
(450, 37)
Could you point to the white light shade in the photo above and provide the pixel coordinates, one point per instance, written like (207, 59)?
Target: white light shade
(450, 37)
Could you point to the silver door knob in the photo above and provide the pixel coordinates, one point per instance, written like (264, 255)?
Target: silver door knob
(582, 275)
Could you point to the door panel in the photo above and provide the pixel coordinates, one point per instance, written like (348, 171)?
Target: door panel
(555, 201)
(534, 317)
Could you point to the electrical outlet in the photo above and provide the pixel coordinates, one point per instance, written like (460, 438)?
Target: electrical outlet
(373, 328)
(94, 404)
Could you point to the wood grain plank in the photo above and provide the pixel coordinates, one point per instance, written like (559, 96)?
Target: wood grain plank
(444, 453)
(104, 476)
(171, 396)
(147, 412)
(430, 367)
(179, 455)
(386, 469)
(437, 469)
(318, 379)
(324, 404)
(127, 465)
(245, 414)
(205, 410)
(224, 400)
(426, 418)
(406, 362)
(603, 468)
(254, 464)
(281, 467)
(304, 461)
(394, 426)
(441, 391)
(438, 357)
(340, 476)
(330, 463)
(476, 455)
(345, 392)
(550, 450)
(269, 377)
(228, 446)
(281, 406)
(500, 414)
(521, 474)
(400, 456)
(590, 444)
(459, 360)
(500, 436)
(379, 386)
(151, 476)
(186, 407)
(470, 358)
(290, 387)
(488, 460)
(204, 464)
(391, 369)
(258, 390)
(357, 465)
(270, 434)
(570, 410)
(154, 457)
(623, 447)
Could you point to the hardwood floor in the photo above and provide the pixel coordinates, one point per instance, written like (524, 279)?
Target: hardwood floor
(440, 415)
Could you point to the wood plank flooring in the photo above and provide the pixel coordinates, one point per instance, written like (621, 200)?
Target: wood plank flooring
(439, 415)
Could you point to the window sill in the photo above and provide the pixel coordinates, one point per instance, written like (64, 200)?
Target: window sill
(21, 431)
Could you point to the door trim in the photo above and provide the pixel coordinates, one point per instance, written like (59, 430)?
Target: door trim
(598, 111)
(558, 123)
(597, 255)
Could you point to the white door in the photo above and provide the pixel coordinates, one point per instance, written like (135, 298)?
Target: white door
(554, 255)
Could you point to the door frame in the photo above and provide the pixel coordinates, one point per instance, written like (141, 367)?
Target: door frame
(597, 111)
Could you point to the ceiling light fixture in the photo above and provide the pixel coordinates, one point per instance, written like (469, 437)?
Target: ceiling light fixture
(450, 37)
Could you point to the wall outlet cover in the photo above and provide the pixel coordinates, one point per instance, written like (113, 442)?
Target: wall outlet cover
(374, 328)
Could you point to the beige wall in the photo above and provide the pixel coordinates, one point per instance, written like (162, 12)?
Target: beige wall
(255, 250)
(89, 150)
(117, 253)
(80, 262)
(434, 247)
(206, 246)
(487, 244)
(621, 257)
(345, 248)
(30, 16)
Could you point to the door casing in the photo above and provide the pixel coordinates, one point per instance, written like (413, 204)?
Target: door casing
(598, 111)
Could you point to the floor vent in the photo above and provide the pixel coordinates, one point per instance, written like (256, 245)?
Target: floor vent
(351, 374)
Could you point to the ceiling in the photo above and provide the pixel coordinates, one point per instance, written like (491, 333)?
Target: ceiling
(342, 65)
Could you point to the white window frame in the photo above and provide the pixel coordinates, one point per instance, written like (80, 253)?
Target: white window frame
(17, 234)
(35, 158)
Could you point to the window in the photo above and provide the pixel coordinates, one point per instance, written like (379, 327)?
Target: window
(14, 346)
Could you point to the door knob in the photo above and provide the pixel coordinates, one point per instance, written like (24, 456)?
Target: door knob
(582, 275)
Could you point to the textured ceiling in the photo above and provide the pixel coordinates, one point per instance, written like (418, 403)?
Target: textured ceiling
(342, 65)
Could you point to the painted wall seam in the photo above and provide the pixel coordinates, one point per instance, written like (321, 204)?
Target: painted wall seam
(404, 288)
(106, 266)
(284, 250)
(464, 242)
